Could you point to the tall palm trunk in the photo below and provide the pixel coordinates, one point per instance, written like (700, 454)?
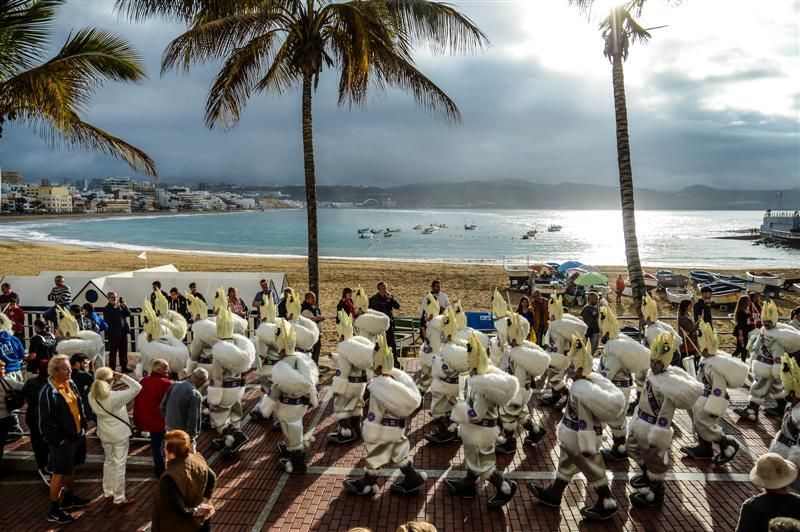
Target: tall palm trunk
(311, 189)
(626, 186)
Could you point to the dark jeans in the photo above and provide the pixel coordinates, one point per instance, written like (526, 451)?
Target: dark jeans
(540, 336)
(40, 448)
(118, 345)
(392, 343)
(50, 315)
(315, 351)
(157, 446)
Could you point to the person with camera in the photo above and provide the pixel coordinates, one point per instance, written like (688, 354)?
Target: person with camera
(116, 315)
(383, 301)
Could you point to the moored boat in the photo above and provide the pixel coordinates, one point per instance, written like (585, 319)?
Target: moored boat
(769, 279)
(747, 284)
(675, 294)
(470, 227)
(669, 279)
(554, 228)
(363, 230)
(724, 293)
(549, 287)
(701, 276)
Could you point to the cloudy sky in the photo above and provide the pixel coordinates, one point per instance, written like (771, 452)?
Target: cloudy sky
(714, 98)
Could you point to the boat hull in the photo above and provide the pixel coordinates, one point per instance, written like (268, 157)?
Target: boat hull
(676, 295)
(769, 280)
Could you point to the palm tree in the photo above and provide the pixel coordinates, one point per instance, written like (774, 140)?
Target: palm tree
(619, 29)
(50, 94)
(278, 45)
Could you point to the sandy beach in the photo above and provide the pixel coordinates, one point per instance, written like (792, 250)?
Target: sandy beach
(471, 283)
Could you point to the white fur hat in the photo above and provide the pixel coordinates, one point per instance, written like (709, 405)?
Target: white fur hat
(772, 472)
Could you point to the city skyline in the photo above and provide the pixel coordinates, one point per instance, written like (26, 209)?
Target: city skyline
(703, 109)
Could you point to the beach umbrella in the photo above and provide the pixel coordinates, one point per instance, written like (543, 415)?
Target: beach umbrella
(564, 266)
(590, 268)
(591, 279)
(540, 267)
(575, 271)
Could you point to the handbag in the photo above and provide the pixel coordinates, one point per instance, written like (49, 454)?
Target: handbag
(15, 399)
(127, 424)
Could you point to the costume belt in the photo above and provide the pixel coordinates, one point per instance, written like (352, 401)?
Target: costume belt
(269, 361)
(786, 441)
(358, 379)
(622, 383)
(766, 360)
(389, 422)
(205, 360)
(580, 425)
(304, 350)
(294, 401)
(233, 383)
(644, 416)
(450, 380)
(489, 423)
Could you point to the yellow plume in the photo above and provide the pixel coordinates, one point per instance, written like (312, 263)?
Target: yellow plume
(477, 358)
(662, 347)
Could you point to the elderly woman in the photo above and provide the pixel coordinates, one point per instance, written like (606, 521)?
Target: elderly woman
(182, 499)
(236, 304)
(113, 428)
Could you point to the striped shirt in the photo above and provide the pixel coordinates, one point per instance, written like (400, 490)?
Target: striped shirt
(60, 295)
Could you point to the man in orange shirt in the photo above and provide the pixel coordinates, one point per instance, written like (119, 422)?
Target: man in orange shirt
(62, 422)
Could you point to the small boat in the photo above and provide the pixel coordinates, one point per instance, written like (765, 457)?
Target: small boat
(724, 293)
(526, 237)
(669, 279)
(388, 230)
(429, 230)
(675, 295)
(364, 230)
(554, 228)
(387, 234)
(549, 287)
(796, 287)
(442, 226)
(701, 276)
(365, 235)
(418, 227)
(650, 281)
(769, 279)
(470, 227)
(375, 231)
(532, 232)
(747, 284)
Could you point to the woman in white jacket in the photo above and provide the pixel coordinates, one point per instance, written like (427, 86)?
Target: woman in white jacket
(113, 428)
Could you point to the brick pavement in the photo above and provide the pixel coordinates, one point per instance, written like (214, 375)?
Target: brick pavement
(253, 492)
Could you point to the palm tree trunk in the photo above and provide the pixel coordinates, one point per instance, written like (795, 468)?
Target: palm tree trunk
(311, 189)
(626, 186)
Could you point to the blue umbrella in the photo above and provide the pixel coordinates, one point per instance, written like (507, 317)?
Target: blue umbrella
(564, 266)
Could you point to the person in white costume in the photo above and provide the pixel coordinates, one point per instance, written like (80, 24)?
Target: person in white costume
(174, 322)
(72, 340)
(155, 341)
(787, 440)
(667, 388)
(369, 322)
(267, 351)
(432, 342)
(718, 371)
(393, 398)
(593, 401)
(561, 327)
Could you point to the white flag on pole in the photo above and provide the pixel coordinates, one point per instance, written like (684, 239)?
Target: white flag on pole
(142, 255)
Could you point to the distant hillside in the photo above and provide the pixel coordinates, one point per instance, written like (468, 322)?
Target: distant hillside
(514, 194)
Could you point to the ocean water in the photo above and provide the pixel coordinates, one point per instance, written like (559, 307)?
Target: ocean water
(666, 238)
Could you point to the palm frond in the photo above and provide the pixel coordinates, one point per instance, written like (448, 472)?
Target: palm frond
(24, 30)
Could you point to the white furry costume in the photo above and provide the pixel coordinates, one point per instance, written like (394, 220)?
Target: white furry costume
(266, 348)
(431, 347)
(353, 359)
(307, 333)
(650, 430)
(717, 373)
(557, 342)
(623, 357)
(766, 347)
(593, 401)
(526, 363)
(226, 385)
(478, 418)
(372, 323)
(204, 336)
(88, 343)
(294, 381)
(166, 347)
(651, 332)
(446, 367)
(787, 441)
(392, 400)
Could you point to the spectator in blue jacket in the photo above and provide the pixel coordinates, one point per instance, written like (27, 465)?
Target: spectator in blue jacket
(12, 352)
(100, 324)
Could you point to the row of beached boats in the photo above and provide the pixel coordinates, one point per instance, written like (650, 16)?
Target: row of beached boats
(387, 232)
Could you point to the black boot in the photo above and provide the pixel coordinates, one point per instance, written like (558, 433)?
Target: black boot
(509, 446)
(355, 424)
(777, 410)
(553, 399)
(641, 480)
(632, 404)
(533, 436)
(295, 462)
(464, 487)
(412, 481)
(551, 495)
(604, 508)
(283, 452)
(256, 415)
(701, 451)
(649, 496)
(344, 432)
(234, 442)
(366, 486)
(441, 434)
(505, 490)
(747, 413)
(617, 451)
(728, 447)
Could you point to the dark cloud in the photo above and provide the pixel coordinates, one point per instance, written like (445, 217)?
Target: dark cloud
(520, 120)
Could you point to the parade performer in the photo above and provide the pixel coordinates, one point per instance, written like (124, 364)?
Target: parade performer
(464, 332)
(219, 301)
(267, 350)
(234, 355)
(204, 336)
(526, 361)
(561, 327)
(174, 322)
(393, 398)
(666, 389)
(767, 345)
(353, 359)
(622, 358)
(718, 371)
(593, 400)
(155, 341)
(446, 367)
(477, 414)
(294, 390)
(652, 328)
(787, 441)
(73, 341)
(369, 322)
(432, 342)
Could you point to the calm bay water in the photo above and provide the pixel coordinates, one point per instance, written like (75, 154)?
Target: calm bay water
(666, 238)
